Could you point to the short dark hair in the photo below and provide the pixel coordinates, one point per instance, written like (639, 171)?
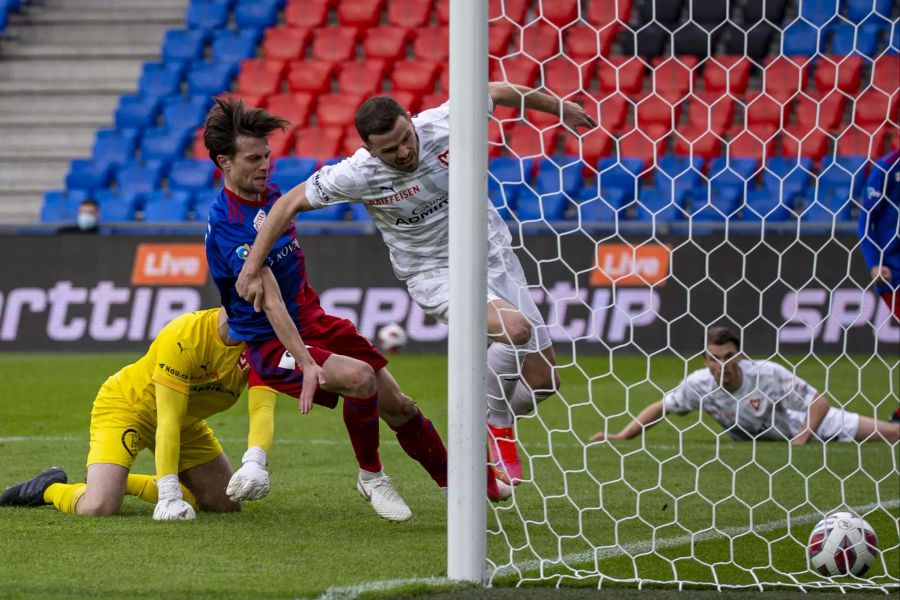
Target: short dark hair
(89, 202)
(229, 119)
(721, 334)
(376, 116)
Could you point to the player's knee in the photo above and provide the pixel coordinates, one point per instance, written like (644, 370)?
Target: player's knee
(362, 381)
(518, 330)
(98, 507)
(396, 409)
(220, 505)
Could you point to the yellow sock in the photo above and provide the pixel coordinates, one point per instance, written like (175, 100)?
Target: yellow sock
(144, 487)
(64, 496)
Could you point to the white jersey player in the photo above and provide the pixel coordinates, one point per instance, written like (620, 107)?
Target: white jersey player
(757, 400)
(401, 177)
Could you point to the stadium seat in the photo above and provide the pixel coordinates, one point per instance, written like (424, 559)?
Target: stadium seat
(539, 40)
(664, 11)
(843, 175)
(610, 112)
(338, 109)
(873, 109)
(320, 143)
(183, 45)
(117, 206)
(500, 36)
(732, 174)
(820, 12)
(61, 206)
(623, 74)
(415, 76)
(351, 141)
(582, 43)
(708, 12)
(559, 12)
(784, 76)
(362, 77)
(823, 111)
(826, 208)
(752, 40)
(676, 176)
(838, 73)
(532, 207)
(256, 14)
(515, 69)
(386, 43)
(763, 205)
(886, 74)
(254, 100)
(523, 140)
(408, 13)
(191, 174)
(620, 179)
(432, 44)
(361, 14)
(88, 175)
(281, 142)
(855, 141)
(513, 11)
(313, 76)
(758, 144)
(590, 146)
(285, 43)
(291, 171)
(764, 110)
(654, 111)
(136, 111)
(334, 44)
(862, 39)
(139, 178)
(600, 14)
(656, 206)
(184, 112)
(698, 141)
(894, 40)
(712, 110)
(207, 14)
(163, 144)
(231, 46)
(563, 78)
(506, 176)
(798, 140)
(755, 11)
(594, 208)
(719, 204)
(261, 76)
(559, 174)
(210, 78)
(306, 14)
(729, 74)
(859, 10)
(160, 79)
(648, 41)
(114, 147)
(166, 207)
(412, 103)
(646, 144)
(787, 177)
(802, 39)
(696, 39)
(673, 77)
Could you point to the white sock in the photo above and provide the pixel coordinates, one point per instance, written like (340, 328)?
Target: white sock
(369, 475)
(504, 370)
(525, 401)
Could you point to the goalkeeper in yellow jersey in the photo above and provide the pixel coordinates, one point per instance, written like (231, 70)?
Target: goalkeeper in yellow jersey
(192, 370)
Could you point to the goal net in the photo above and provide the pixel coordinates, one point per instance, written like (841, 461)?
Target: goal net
(723, 186)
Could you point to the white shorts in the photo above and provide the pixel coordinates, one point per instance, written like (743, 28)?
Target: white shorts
(506, 281)
(839, 425)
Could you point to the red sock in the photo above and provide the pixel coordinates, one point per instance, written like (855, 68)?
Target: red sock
(361, 420)
(421, 441)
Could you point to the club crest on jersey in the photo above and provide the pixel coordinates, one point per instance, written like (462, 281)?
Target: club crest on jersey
(242, 362)
(242, 251)
(258, 219)
(444, 158)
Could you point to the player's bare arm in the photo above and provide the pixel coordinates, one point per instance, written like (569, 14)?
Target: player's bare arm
(816, 411)
(647, 418)
(512, 95)
(287, 333)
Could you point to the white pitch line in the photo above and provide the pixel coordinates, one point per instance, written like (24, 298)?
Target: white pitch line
(350, 592)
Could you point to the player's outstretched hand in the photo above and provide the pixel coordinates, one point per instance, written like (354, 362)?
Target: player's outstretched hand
(313, 377)
(881, 274)
(574, 117)
(251, 481)
(604, 437)
(170, 506)
(250, 287)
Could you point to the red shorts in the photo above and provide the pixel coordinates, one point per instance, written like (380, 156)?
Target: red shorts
(892, 299)
(330, 335)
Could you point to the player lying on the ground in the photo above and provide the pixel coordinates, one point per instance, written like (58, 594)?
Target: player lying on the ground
(237, 140)
(401, 176)
(757, 400)
(192, 370)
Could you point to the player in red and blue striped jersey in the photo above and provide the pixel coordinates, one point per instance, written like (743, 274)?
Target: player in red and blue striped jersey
(879, 228)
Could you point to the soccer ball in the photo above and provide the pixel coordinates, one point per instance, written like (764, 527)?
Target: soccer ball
(391, 337)
(842, 543)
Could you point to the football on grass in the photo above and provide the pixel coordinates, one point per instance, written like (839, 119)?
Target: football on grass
(391, 337)
(842, 543)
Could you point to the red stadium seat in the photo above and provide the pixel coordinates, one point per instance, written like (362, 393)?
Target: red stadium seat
(655, 111)
(796, 141)
(604, 12)
(415, 76)
(524, 140)
(285, 43)
(442, 12)
(624, 74)
(293, 106)
(500, 35)
(610, 112)
(711, 111)
(785, 76)
(591, 146)
(838, 73)
(515, 69)
(408, 100)
(730, 74)
(311, 76)
(386, 43)
(444, 79)
(198, 147)
(254, 100)
(281, 142)
(361, 14)
(698, 141)
(673, 77)
(306, 14)
(408, 13)
(433, 100)
(335, 44)
(886, 73)
(564, 78)
(824, 112)
(559, 12)
(338, 109)
(513, 11)
(647, 145)
(261, 76)
(539, 40)
(432, 43)
(758, 144)
(351, 142)
(855, 141)
(874, 108)
(583, 44)
(321, 143)
(764, 110)
(363, 77)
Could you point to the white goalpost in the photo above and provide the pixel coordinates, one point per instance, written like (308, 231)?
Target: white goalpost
(724, 185)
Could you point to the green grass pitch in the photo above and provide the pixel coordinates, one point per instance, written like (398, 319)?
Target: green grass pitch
(313, 533)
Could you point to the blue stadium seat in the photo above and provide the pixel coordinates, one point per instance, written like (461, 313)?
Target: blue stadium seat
(827, 208)
(191, 175)
(787, 176)
(208, 14)
(114, 147)
(161, 79)
(61, 206)
(859, 10)
(507, 176)
(845, 39)
(546, 207)
(678, 175)
(256, 14)
(88, 175)
(210, 78)
(556, 176)
(291, 171)
(136, 111)
(737, 173)
(802, 39)
(184, 112)
(116, 205)
(333, 212)
(715, 204)
(652, 205)
(230, 45)
(894, 40)
(622, 175)
(818, 12)
(594, 208)
(164, 144)
(764, 204)
(140, 178)
(359, 213)
(183, 45)
(202, 200)
(843, 175)
(166, 207)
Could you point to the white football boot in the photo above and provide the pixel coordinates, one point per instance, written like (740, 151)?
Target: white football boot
(385, 499)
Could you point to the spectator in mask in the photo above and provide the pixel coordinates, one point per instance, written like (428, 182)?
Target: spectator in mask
(87, 219)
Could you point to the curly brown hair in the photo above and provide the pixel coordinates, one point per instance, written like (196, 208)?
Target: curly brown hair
(229, 118)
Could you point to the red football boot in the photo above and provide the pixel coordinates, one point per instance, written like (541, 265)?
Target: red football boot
(503, 454)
